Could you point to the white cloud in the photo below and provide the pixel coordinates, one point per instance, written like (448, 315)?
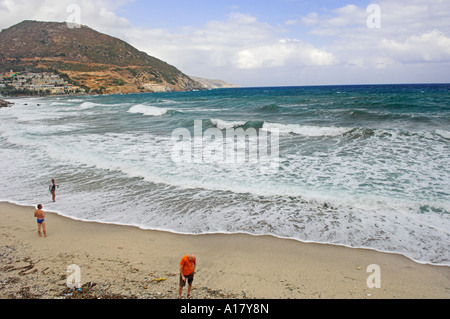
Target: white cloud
(283, 53)
(433, 46)
(413, 31)
(332, 23)
(96, 14)
(240, 42)
(311, 19)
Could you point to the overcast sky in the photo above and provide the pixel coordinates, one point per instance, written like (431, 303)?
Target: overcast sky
(273, 42)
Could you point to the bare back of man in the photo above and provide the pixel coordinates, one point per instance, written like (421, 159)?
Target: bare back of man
(40, 216)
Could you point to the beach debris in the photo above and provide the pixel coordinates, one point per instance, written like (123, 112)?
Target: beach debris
(24, 270)
(358, 268)
(22, 278)
(88, 291)
(25, 293)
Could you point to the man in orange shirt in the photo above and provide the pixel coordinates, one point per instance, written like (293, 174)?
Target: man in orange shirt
(187, 270)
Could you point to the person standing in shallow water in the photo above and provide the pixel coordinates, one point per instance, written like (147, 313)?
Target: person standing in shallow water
(53, 190)
(40, 215)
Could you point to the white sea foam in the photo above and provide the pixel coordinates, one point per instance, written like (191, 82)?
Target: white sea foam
(305, 130)
(59, 103)
(444, 134)
(148, 110)
(88, 105)
(29, 111)
(222, 124)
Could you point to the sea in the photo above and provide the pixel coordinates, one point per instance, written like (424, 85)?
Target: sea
(365, 166)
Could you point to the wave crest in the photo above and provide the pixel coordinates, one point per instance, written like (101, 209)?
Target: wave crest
(148, 110)
(88, 105)
(223, 125)
(305, 130)
(444, 134)
(297, 129)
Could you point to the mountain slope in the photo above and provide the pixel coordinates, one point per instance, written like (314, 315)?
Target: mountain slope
(213, 83)
(89, 58)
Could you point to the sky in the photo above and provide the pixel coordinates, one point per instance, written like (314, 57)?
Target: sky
(271, 42)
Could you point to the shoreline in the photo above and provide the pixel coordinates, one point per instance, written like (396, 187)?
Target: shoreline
(61, 214)
(225, 234)
(118, 261)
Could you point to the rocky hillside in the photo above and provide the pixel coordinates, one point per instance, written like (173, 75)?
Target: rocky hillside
(214, 84)
(90, 59)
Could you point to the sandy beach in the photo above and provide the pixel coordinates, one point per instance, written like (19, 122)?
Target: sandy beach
(128, 262)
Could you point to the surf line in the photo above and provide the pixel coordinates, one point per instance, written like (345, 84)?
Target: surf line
(234, 146)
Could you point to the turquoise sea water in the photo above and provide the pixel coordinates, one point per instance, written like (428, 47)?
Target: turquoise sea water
(361, 166)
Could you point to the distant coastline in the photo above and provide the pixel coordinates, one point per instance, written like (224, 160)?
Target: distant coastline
(29, 83)
(224, 85)
(213, 83)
